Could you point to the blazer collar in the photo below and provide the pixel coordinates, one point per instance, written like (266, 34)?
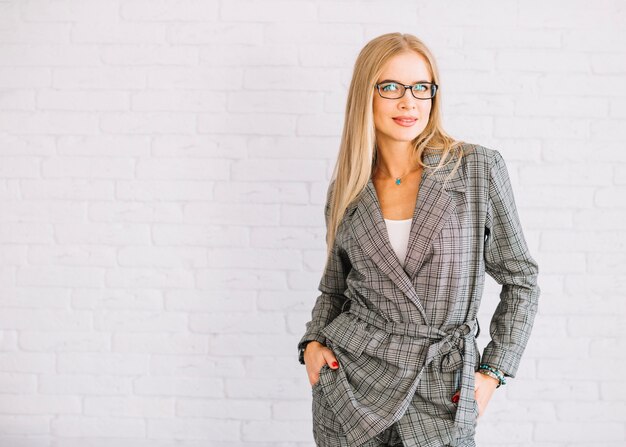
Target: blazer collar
(434, 206)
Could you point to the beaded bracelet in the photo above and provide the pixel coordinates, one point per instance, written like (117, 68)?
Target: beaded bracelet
(492, 372)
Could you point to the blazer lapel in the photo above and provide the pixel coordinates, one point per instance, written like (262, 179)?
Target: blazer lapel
(434, 206)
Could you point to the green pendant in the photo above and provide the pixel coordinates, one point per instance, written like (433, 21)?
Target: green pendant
(398, 181)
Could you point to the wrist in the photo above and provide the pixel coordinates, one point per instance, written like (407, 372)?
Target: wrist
(491, 377)
(303, 347)
(313, 342)
(492, 372)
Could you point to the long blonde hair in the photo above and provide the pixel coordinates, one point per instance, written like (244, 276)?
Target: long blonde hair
(358, 153)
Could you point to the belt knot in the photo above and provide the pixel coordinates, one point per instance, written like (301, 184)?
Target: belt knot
(451, 349)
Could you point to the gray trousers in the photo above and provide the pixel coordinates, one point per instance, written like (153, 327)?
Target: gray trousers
(388, 438)
(391, 438)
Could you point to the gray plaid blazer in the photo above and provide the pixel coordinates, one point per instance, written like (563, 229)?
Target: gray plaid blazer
(404, 337)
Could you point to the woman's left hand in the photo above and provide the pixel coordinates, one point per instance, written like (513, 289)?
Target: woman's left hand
(484, 386)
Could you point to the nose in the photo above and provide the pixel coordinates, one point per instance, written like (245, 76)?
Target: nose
(408, 100)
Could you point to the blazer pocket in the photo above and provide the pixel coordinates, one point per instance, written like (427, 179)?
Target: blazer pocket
(348, 333)
(324, 419)
(319, 380)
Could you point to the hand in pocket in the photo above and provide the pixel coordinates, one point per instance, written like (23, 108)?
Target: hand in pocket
(316, 355)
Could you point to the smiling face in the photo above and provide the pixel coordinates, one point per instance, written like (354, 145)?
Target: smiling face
(407, 68)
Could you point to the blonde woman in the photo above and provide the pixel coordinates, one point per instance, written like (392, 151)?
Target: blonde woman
(414, 219)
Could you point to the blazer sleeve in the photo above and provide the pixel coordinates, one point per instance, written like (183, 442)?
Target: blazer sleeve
(332, 285)
(509, 262)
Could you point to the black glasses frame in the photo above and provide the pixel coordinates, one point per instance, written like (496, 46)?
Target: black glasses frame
(433, 89)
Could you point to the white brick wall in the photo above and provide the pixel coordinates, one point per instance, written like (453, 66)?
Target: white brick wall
(162, 239)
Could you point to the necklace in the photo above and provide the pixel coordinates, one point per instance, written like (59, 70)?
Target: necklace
(398, 180)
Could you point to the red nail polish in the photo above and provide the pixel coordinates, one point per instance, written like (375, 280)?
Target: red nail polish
(455, 398)
(335, 364)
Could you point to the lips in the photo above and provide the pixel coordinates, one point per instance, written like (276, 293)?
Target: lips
(405, 121)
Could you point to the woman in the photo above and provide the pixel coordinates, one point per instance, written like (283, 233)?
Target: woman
(414, 219)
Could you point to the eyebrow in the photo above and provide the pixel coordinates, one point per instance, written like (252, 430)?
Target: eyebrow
(393, 80)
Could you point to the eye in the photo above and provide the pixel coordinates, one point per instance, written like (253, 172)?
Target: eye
(420, 87)
(390, 87)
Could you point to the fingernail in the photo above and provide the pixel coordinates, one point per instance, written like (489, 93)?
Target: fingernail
(455, 398)
(335, 364)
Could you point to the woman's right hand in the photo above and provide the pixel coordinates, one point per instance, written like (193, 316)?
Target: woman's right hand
(317, 355)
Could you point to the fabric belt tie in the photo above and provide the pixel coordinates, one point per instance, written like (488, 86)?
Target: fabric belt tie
(455, 348)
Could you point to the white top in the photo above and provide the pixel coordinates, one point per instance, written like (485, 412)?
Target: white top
(398, 231)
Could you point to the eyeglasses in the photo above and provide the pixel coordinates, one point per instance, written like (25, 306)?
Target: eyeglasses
(395, 90)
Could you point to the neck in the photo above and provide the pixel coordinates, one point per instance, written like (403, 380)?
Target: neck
(396, 159)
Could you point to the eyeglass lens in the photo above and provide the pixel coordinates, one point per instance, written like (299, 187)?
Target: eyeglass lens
(393, 90)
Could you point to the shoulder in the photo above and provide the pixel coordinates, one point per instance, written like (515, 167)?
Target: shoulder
(482, 166)
(482, 161)
(482, 155)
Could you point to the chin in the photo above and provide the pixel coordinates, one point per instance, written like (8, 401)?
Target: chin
(407, 138)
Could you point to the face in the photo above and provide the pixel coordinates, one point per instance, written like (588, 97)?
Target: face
(407, 68)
